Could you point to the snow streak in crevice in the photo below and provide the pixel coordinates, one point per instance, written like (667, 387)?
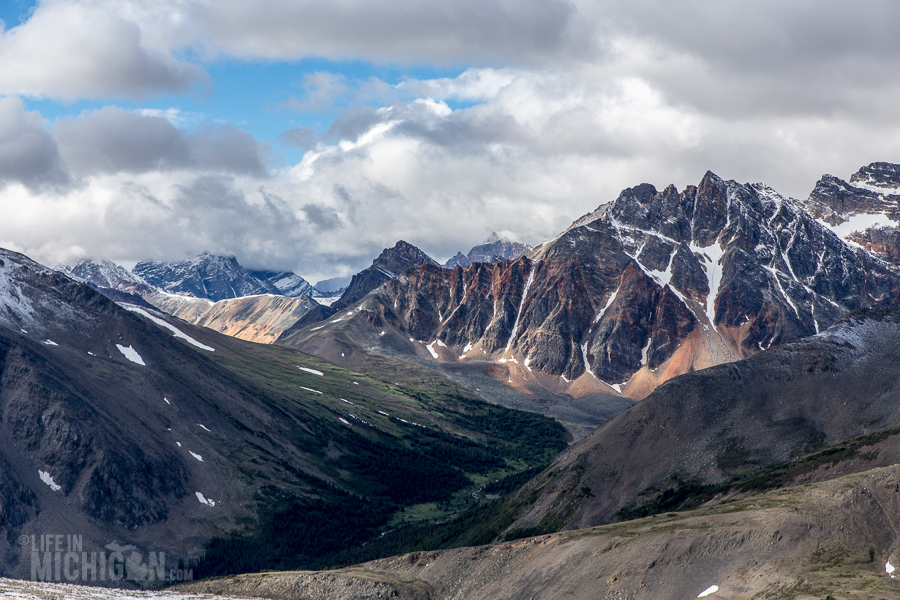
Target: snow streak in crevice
(515, 328)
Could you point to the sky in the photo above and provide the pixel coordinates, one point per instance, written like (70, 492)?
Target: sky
(307, 136)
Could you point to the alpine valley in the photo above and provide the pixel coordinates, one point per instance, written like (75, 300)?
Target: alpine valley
(684, 394)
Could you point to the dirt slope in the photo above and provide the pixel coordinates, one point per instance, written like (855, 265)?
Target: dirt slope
(806, 542)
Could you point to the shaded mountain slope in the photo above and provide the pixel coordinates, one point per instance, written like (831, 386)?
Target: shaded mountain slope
(702, 427)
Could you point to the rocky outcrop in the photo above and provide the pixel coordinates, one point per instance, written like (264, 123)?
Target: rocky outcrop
(864, 211)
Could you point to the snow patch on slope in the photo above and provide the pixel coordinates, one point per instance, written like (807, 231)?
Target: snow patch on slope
(175, 331)
(48, 479)
(860, 222)
(712, 256)
(131, 354)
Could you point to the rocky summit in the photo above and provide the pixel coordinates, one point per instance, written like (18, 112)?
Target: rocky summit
(652, 285)
(391, 263)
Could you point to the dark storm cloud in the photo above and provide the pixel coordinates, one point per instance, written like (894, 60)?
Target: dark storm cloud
(430, 30)
(28, 154)
(323, 217)
(112, 140)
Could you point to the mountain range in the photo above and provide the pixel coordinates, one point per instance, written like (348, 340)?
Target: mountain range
(650, 286)
(724, 358)
(771, 476)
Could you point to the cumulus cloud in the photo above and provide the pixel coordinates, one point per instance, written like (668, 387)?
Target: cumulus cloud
(112, 140)
(71, 50)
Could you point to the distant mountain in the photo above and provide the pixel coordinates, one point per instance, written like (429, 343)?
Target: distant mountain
(652, 285)
(124, 425)
(105, 274)
(390, 264)
(111, 280)
(204, 276)
(335, 285)
(259, 318)
(494, 249)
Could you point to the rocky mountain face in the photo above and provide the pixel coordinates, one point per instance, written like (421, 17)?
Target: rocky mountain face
(494, 249)
(652, 285)
(123, 425)
(390, 264)
(105, 274)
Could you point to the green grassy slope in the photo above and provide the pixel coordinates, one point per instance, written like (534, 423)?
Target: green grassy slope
(385, 456)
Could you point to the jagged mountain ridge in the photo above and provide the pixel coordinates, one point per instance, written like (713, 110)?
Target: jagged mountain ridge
(287, 283)
(494, 249)
(647, 287)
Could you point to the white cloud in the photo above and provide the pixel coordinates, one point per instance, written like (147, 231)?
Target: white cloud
(70, 50)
